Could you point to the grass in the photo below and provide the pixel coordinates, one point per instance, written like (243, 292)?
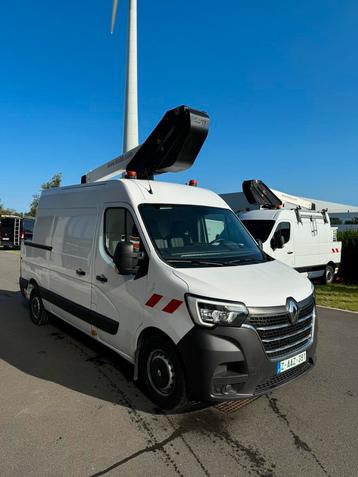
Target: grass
(338, 296)
(17, 252)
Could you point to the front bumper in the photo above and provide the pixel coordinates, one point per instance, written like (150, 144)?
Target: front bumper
(216, 358)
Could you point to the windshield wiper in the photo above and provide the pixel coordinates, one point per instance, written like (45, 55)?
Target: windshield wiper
(195, 262)
(241, 260)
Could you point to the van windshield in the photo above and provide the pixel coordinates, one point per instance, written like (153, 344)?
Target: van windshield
(188, 235)
(259, 229)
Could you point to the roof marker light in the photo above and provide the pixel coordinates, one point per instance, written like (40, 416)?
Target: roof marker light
(131, 175)
(193, 183)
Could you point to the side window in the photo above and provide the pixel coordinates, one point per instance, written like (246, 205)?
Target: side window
(214, 227)
(78, 232)
(283, 230)
(119, 226)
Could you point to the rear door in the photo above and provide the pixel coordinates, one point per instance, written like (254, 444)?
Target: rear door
(70, 265)
(117, 298)
(7, 231)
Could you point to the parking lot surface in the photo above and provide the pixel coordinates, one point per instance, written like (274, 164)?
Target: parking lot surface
(69, 408)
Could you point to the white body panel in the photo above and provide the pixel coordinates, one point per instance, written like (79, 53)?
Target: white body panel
(70, 220)
(311, 245)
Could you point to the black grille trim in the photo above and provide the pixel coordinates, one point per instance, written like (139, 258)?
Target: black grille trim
(282, 378)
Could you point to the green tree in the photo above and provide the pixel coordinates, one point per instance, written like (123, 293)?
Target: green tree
(54, 182)
(5, 211)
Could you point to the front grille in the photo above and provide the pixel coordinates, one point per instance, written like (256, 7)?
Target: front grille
(282, 378)
(279, 336)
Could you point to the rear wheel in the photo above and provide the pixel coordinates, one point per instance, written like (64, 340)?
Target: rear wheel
(162, 374)
(328, 276)
(38, 313)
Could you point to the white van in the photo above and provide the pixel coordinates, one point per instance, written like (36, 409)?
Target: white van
(168, 277)
(289, 229)
(303, 240)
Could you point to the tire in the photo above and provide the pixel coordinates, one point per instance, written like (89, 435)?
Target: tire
(162, 374)
(328, 276)
(38, 313)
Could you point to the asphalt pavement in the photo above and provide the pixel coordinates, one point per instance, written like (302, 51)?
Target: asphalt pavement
(68, 407)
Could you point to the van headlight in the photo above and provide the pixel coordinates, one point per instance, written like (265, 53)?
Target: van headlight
(210, 313)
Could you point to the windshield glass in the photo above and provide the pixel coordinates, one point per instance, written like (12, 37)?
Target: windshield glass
(259, 229)
(188, 235)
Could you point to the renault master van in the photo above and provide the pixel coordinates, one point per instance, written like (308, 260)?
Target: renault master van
(168, 277)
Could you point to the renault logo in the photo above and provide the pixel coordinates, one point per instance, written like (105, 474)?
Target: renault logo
(292, 310)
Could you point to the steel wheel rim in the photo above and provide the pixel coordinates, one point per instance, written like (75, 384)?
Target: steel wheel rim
(161, 373)
(329, 274)
(36, 307)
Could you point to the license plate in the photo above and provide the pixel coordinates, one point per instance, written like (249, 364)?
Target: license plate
(289, 363)
(5, 238)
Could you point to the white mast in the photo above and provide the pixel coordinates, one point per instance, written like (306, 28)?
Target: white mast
(130, 138)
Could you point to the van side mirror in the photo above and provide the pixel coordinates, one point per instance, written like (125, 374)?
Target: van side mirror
(280, 241)
(260, 244)
(277, 241)
(126, 259)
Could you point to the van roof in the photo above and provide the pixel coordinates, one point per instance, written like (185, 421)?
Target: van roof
(275, 214)
(132, 191)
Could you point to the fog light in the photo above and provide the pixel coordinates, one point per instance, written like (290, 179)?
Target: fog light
(229, 389)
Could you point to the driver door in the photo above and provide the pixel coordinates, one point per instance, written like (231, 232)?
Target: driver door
(282, 235)
(117, 297)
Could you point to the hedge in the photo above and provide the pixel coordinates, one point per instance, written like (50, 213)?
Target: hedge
(349, 264)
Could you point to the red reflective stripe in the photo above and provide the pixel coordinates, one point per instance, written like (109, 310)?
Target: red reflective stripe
(172, 306)
(337, 250)
(153, 300)
(333, 250)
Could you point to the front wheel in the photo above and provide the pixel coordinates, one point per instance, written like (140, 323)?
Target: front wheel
(38, 313)
(161, 372)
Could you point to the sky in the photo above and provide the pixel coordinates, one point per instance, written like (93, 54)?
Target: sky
(279, 80)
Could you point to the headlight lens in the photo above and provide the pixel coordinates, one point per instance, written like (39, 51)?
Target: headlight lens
(210, 313)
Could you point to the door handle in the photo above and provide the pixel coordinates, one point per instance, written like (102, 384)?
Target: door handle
(80, 272)
(289, 253)
(101, 278)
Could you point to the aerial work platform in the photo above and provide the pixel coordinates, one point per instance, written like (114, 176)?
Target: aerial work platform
(171, 147)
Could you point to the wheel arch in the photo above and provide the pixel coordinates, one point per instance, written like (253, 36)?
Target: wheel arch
(145, 334)
(32, 284)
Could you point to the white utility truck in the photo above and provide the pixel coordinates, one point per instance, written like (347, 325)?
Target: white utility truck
(168, 277)
(292, 231)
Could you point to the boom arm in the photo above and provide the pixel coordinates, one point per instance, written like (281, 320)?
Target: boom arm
(171, 147)
(257, 192)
